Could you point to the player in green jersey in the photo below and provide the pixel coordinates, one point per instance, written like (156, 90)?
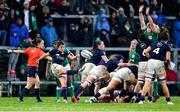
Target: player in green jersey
(151, 32)
(133, 55)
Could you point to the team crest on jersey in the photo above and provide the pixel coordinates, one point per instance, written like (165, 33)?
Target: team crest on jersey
(143, 45)
(159, 44)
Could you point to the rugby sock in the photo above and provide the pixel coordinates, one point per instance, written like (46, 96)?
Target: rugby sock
(155, 89)
(142, 98)
(168, 99)
(111, 95)
(25, 92)
(135, 94)
(97, 95)
(79, 91)
(71, 72)
(71, 90)
(123, 92)
(58, 93)
(37, 93)
(64, 92)
(149, 98)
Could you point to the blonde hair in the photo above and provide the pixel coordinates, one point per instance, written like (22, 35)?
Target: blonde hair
(132, 41)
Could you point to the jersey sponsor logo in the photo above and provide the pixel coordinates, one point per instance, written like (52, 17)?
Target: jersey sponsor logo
(143, 45)
(59, 57)
(159, 44)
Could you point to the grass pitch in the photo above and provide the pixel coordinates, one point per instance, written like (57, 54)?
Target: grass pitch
(49, 105)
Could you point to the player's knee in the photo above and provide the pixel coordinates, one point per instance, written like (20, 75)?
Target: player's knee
(148, 78)
(86, 83)
(141, 81)
(103, 90)
(163, 78)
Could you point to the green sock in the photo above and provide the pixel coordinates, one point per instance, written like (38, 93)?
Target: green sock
(155, 90)
(58, 93)
(71, 90)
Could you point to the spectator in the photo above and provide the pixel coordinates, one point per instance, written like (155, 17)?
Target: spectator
(48, 32)
(128, 32)
(43, 11)
(87, 37)
(11, 17)
(18, 33)
(64, 7)
(33, 18)
(103, 29)
(81, 6)
(3, 27)
(25, 14)
(52, 6)
(102, 23)
(86, 22)
(103, 7)
(128, 8)
(176, 31)
(121, 17)
(90, 7)
(156, 5)
(114, 25)
(73, 35)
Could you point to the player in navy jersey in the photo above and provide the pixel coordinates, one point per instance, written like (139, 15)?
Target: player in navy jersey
(97, 73)
(98, 57)
(158, 52)
(143, 43)
(58, 57)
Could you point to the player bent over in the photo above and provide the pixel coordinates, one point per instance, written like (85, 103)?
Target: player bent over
(122, 75)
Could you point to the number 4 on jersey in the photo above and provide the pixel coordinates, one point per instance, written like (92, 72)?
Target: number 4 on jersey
(156, 51)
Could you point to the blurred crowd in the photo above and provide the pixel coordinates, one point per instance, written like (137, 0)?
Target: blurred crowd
(23, 20)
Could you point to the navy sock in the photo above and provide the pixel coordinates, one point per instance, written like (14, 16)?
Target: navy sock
(97, 95)
(149, 98)
(136, 94)
(142, 98)
(79, 91)
(37, 93)
(25, 92)
(168, 99)
(139, 95)
(64, 92)
(111, 95)
(123, 93)
(71, 72)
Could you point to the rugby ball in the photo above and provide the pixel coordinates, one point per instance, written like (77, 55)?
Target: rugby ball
(86, 54)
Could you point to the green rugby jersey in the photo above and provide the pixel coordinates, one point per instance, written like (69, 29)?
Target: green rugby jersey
(133, 57)
(150, 35)
(66, 61)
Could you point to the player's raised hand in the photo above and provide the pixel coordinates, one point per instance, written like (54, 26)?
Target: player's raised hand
(141, 8)
(147, 10)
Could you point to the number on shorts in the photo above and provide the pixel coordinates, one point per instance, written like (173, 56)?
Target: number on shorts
(156, 51)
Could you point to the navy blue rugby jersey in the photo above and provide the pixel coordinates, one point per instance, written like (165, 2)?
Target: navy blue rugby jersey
(96, 57)
(111, 65)
(158, 50)
(134, 70)
(140, 48)
(58, 57)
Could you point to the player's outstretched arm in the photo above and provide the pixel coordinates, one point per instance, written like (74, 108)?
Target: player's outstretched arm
(141, 17)
(15, 51)
(153, 26)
